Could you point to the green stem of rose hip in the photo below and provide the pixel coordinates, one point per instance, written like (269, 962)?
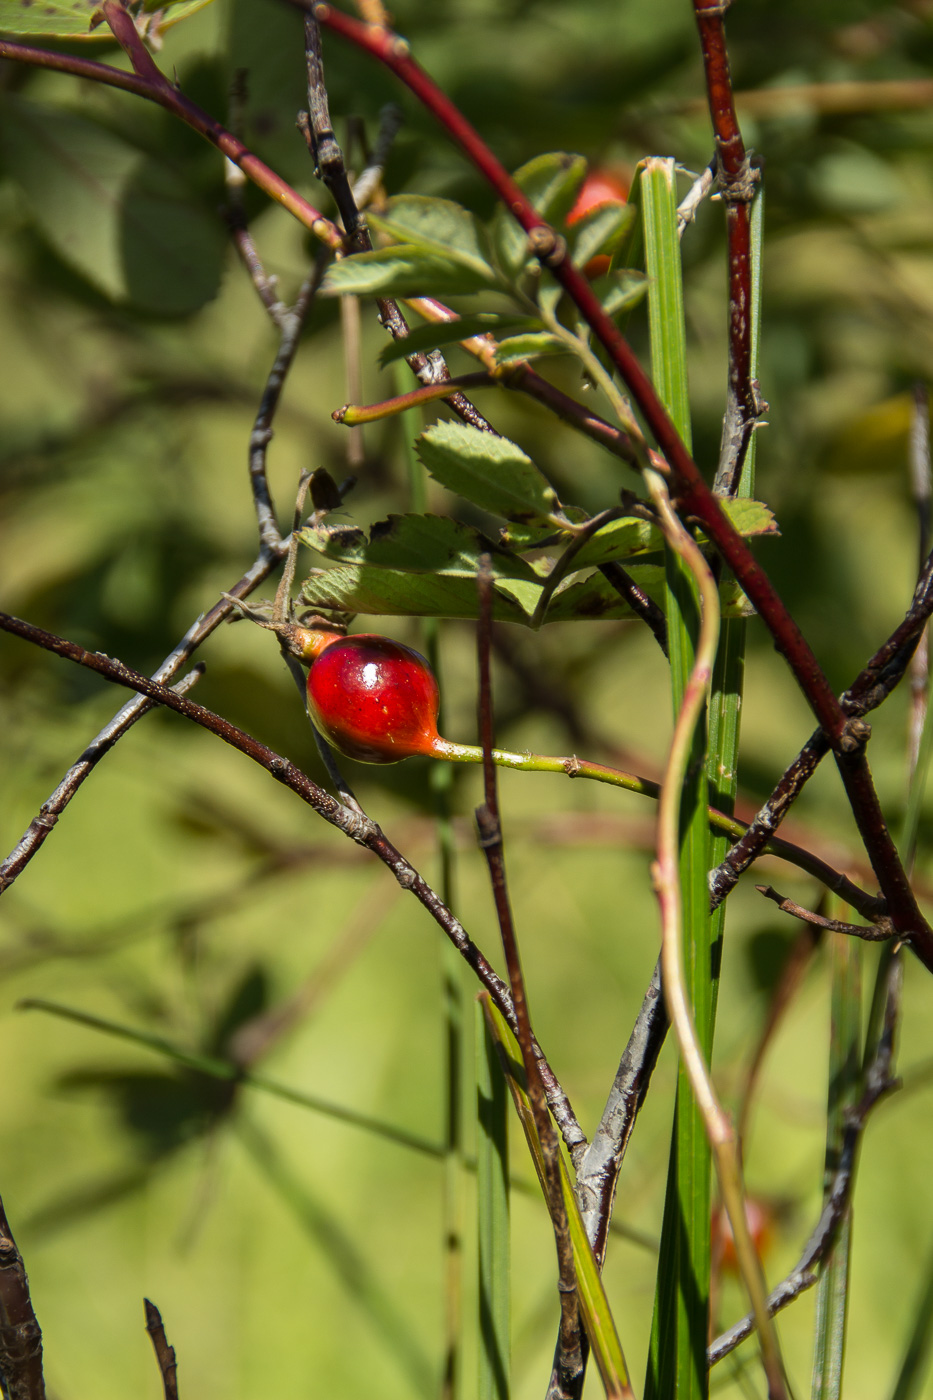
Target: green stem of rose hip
(573, 767)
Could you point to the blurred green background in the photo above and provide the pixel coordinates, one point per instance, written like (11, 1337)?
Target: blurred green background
(183, 892)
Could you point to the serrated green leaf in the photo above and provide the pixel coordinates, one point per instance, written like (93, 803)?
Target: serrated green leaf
(599, 231)
(551, 182)
(404, 270)
(122, 219)
(750, 517)
(391, 593)
(490, 471)
(441, 225)
(439, 333)
(620, 539)
(416, 544)
(71, 19)
(530, 347)
(519, 537)
(626, 289)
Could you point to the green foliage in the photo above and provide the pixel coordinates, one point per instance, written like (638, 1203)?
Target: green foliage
(185, 907)
(80, 19)
(121, 217)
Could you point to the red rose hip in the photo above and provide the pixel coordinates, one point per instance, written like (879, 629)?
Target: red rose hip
(374, 699)
(600, 187)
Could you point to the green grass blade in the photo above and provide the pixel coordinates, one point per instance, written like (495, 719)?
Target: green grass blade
(677, 1358)
(492, 1191)
(594, 1305)
(844, 1083)
(216, 1068)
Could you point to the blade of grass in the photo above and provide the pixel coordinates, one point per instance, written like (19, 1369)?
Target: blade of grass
(594, 1305)
(677, 1358)
(492, 1192)
(725, 705)
(666, 879)
(844, 1088)
(216, 1068)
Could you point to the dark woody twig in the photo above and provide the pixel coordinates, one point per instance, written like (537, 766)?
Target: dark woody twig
(737, 190)
(569, 1365)
(872, 933)
(290, 325)
(642, 606)
(20, 1335)
(272, 550)
(599, 1170)
(694, 496)
(873, 685)
(147, 81)
(165, 1354)
(356, 825)
(329, 164)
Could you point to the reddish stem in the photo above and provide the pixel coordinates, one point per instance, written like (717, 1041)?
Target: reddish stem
(737, 185)
(694, 495)
(174, 101)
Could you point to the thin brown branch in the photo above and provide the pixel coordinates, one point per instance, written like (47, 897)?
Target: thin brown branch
(872, 933)
(165, 1354)
(356, 825)
(20, 1334)
(165, 94)
(567, 1377)
(694, 496)
(898, 94)
(272, 550)
(598, 1173)
(737, 190)
(330, 166)
(53, 807)
(873, 685)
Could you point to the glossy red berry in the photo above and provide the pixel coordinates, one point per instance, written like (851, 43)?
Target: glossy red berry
(599, 188)
(374, 699)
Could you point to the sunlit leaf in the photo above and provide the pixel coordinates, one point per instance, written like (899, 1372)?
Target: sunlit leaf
(393, 593)
(490, 471)
(71, 19)
(404, 270)
(516, 348)
(441, 225)
(416, 543)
